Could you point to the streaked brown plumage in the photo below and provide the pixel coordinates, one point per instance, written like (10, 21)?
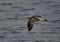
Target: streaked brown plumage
(32, 19)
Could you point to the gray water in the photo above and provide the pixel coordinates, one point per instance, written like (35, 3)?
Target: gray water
(13, 24)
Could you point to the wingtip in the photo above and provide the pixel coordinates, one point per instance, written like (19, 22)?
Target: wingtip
(29, 29)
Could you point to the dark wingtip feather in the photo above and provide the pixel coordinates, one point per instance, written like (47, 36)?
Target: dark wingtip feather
(29, 29)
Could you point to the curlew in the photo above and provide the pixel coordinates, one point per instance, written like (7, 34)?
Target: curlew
(32, 20)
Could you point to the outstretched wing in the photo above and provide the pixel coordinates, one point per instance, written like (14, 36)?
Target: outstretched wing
(30, 25)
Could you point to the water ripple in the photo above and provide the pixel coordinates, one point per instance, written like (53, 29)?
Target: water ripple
(4, 4)
(18, 7)
(55, 21)
(2, 11)
(28, 9)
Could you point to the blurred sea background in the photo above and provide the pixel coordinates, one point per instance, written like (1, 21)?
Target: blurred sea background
(13, 24)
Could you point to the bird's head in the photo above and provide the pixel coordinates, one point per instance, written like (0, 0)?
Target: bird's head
(37, 18)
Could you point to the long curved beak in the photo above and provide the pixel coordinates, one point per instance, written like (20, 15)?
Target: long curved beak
(42, 19)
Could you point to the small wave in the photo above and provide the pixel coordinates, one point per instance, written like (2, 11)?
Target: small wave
(6, 3)
(28, 9)
(55, 21)
(19, 7)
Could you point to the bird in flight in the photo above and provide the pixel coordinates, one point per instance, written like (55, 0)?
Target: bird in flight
(32, 20)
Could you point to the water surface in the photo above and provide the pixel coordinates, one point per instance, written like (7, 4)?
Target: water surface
(13, 24)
